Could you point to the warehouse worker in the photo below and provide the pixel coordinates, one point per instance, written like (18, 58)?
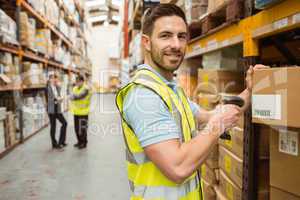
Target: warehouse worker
(80, 107)
(54, 99)
(164, 148)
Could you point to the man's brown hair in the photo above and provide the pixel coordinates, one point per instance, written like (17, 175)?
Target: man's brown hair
(161, 10)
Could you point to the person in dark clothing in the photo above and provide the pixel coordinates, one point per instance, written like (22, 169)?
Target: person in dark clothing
(80, 107)
(54, 99)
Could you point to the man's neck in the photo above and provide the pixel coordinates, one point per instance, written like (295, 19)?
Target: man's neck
(168, 75)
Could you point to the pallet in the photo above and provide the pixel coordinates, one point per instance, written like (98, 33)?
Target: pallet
(8, 43)
(228, 13)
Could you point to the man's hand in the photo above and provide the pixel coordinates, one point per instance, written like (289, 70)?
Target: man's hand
(249, 76)
(225, 117)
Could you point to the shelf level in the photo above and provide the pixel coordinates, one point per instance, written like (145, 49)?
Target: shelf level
(19, 87)
(35, 57)
(47, 24)
(282, 17)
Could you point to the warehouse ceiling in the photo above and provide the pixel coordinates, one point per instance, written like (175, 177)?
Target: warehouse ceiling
(103, 12)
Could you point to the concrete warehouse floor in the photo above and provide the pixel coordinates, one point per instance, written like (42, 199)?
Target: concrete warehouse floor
(33, 171)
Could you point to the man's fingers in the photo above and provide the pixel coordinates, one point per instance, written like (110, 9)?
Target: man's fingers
(250, 70)
(260, 66)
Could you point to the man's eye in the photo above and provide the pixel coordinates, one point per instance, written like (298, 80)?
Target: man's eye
(182, 37)
(165, 36)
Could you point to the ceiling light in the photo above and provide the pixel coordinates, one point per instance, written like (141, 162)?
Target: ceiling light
(105, 23)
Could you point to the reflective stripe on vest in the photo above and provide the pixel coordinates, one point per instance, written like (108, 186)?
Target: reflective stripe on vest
(82, 106)
(146, 180)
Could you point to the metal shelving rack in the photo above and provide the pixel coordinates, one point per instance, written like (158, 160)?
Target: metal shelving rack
(248, 32)
(24, 54)
(280, 18)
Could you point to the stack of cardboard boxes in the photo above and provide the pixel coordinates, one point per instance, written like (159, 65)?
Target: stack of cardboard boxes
(212, 85)
(8, 129)
(34, 113)
(52, 11)
(194, 9)
(187, 79)
(8, 29)
(27, 30)
(9, 65)
(275, 103)
(43, 41)
(213, 5)
(33, 74)
(2, 130)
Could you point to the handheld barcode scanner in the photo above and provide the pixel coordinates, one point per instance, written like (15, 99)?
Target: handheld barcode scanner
(235, 100)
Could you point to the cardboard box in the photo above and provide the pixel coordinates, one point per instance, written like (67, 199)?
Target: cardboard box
(2, 113)
(2, 136)
(229, 189)
(208, 101)
(188, 83)
(220, 81)
(262, 195)
(236, 144)
(10, 129)
(241, 122)
(263, 137)
(276, 96)
(215, 4)
(208, 191)
(231, 165)
(224, 59)
(219, 194)
(285, 159)
(209, 175)
(277, 194)
(212, 161)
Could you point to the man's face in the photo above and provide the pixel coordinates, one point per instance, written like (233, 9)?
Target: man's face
(168, 42)
(53, 79)
(79, 83)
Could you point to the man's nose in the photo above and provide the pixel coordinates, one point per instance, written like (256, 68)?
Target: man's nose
(175, 43)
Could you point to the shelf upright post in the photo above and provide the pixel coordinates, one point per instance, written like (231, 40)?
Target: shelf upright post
(125, 30)
(18, 94)
(251, 53)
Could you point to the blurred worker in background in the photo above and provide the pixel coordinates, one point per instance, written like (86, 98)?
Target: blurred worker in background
(164, 147)
(54, 100)
(80, 107)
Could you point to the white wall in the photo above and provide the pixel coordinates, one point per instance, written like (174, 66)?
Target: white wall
(102, 39)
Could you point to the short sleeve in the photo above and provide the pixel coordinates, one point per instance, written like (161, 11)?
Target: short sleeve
(194, 107)
(149, 117)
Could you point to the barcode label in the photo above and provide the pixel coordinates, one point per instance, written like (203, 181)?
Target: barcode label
(225, 43)
(296, 18)
(288, 142)
(281, 23)
(213, 44)
(266, 106)
(196, 47)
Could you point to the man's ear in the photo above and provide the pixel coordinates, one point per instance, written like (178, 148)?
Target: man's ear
(146, 42)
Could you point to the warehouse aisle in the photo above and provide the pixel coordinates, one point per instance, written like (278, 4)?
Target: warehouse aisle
(34, 171)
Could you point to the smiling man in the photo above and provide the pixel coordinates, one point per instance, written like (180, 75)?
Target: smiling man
(164, 148)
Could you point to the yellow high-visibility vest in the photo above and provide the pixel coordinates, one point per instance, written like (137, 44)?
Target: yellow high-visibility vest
(147, 182)
(81, 107)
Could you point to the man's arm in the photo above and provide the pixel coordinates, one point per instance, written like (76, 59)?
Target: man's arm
(204, 116)
(81, 95)
(247, 93)
(178, 161)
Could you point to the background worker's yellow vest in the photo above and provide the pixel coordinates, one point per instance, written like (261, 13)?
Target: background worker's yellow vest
(81, 107)
(147, 182)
